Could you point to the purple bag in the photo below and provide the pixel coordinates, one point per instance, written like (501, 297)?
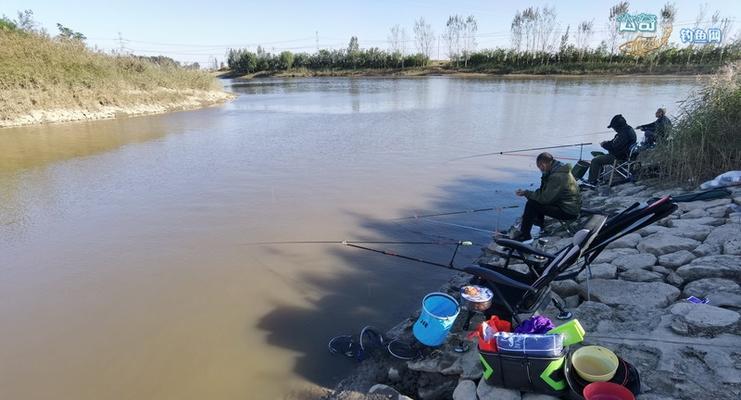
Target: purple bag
(537, 324)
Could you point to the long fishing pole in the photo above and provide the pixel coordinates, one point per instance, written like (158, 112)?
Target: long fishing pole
(432, 221)
(420, 260)
(346, 242)
(454, 213)
(521, 150)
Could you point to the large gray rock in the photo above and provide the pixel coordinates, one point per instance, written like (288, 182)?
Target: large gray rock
(734, 218)
(641, 275)
(626, 242)
(674, 279)
(466, 390)
(696, 232)
(609, 255)
(691, 223)
(720, 292)
(719, 212)
(703, 319)
(591, 313)
(486, 391)
(719, 266)
(704, 205)
(466, 365)
(660, 269)
(676, 259)
(722, 234)
(565, 288)
(661, 243)
(634, 261)
(732, 247)
(710, 286)
(386, 392)
(707, 250)
(599, 271)
(696, 213)
(617, 292)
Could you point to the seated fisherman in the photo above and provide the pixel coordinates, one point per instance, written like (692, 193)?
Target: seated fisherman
(618, 148)
(558, 196)
(656, 131)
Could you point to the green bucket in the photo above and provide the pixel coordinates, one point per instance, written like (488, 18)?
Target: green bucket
(580, 169)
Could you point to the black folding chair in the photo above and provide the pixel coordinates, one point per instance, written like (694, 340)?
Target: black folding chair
(527, 292)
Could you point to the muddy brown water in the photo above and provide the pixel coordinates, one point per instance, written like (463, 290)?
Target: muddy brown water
(126, 269)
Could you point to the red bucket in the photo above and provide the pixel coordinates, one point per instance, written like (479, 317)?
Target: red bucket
(607, 391)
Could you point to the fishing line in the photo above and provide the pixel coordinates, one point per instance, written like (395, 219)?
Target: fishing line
(520, 150)
(346, 242)
(453, 213)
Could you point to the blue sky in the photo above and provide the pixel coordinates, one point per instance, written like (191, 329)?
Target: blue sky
(190, 30)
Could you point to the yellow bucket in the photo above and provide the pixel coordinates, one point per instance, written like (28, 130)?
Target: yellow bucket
(595, 363)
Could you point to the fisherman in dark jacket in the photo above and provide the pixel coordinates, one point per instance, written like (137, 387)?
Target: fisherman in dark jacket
(558, 196)
(656, 131)
(618, 148)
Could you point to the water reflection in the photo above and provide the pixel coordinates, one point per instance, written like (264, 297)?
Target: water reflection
(123, 242)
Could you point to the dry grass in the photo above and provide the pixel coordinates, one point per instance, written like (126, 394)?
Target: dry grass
(706, 139)
(38, 72)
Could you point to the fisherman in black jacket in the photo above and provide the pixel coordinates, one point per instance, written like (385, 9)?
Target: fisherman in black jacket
(656, 131)
(617, 148)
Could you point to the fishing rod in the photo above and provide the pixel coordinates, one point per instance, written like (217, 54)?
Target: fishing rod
(449, 265)
(521, 150)
(347, 242)
(454, 213)
(432, 221)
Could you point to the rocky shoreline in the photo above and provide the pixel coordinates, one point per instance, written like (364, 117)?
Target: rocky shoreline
(635, 306)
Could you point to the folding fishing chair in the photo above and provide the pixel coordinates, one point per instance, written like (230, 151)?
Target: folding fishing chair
(623, 170)
(538, 261)
(623, 223)
(525, 293)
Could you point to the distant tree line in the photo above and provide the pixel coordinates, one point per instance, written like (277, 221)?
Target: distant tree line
(245, 61)
(572, 59)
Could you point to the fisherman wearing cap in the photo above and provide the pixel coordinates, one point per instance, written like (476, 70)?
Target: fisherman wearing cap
(618, 148)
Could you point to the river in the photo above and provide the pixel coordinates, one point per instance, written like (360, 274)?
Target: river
(128, 268)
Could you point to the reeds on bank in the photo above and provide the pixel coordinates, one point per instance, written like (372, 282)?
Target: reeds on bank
(706, 138)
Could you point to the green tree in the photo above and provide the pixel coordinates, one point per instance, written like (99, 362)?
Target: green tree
(68, 34)
(353, 51)
(286, 60)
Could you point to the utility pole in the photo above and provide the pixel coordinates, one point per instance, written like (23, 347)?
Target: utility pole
(121, 44)
(317, 40)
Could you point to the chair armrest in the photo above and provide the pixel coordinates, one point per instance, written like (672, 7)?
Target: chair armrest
(523, 248)
(496, 277)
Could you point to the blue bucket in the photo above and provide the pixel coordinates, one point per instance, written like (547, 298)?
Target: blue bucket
(438, 314)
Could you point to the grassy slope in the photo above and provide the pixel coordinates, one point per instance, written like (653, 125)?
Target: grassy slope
(38, 72)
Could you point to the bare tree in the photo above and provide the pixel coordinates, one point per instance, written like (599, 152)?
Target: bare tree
(470, 27)
(583, 34)
(453, 32)
(423, 37)
(612, 25)
(516, 30)
(530, 17)
(25, 21)
(395, 39)
(545, 29)
(404, 41)
(564, 41)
